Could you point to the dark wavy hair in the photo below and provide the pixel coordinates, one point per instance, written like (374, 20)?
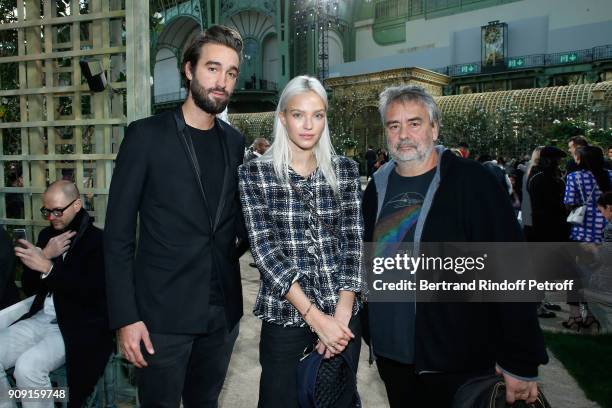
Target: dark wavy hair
(591, 159)
(216, 34)
(550, 164)
(605, 199)
(579, 140)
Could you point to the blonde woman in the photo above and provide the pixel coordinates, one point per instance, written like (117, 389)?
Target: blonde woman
(302, 208)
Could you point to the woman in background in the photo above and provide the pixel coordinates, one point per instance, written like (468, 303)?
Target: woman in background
(584, 187)
(526, 220)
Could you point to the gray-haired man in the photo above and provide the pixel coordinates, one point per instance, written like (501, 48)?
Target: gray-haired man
(428, 194)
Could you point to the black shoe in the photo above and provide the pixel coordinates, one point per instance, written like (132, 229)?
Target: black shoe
(551, 306)
(252, 264)
(546, 314)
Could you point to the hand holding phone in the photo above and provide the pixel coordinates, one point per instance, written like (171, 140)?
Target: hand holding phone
(20, 233)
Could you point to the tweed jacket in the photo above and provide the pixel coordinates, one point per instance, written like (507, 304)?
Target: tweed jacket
(301, 231)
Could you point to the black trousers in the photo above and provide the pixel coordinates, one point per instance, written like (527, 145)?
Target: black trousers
(407, 389)
(191, 366)
(84, 367)
(280, 350)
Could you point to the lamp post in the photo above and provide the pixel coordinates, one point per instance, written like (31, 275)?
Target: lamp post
(317, 17)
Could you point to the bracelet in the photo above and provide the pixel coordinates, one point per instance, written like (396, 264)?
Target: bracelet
(307, 311)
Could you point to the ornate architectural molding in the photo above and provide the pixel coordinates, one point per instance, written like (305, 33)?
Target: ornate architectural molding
(392, 76)
(231, 7)
(191, 8)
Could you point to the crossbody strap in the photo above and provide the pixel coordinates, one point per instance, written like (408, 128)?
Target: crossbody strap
(590, 194)
(580, 189)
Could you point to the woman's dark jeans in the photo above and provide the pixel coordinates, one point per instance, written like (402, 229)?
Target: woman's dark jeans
(280, 350)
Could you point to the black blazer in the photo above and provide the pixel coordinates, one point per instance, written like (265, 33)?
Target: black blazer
(77, 285)
(8, 291)
(165, 279)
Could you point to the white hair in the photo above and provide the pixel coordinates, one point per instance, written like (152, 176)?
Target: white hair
(280, 152)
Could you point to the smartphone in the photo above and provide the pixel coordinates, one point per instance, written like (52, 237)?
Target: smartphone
(19, 233)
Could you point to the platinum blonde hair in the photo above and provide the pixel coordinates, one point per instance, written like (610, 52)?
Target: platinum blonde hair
(535, 159)
(279, 152)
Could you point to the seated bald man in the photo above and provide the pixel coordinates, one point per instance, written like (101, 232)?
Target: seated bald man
(68, 321)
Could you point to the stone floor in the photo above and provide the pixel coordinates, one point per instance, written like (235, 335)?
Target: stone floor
(241, 385)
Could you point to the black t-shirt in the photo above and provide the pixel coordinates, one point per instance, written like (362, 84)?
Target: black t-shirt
(207, 146)
(392, 324)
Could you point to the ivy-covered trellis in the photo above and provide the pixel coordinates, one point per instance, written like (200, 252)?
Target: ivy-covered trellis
(513, 123)
(342, 116)
(253, 125)
(52, 124)
(514, 132)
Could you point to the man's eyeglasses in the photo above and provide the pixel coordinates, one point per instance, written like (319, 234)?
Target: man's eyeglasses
(56, 212)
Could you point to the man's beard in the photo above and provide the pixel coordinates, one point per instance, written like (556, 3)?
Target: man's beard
(419, 153)
(199, 94)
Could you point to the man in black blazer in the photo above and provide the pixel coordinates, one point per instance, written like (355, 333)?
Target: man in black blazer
(176, 295)
(68, 320)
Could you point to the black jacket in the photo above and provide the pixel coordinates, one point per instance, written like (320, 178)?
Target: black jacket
(469, 205)
(546, 191)
(165, 279)
(8, 291)
(77, 286)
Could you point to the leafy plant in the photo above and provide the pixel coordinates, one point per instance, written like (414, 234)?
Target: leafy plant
(513, 132)
(349, 143)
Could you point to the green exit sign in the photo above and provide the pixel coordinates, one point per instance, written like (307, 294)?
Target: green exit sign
(516, 62)
(568, 58)
(467, 69)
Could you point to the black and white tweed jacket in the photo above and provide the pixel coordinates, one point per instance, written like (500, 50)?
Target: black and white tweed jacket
(302, 232)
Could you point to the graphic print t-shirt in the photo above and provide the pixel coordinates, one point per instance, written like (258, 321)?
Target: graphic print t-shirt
(402, 206)
(392, 324)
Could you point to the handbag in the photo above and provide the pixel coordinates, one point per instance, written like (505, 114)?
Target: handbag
(326, 383)
(576, 216)
(489, 391)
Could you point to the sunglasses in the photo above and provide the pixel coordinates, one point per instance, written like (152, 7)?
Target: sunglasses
(56, 212)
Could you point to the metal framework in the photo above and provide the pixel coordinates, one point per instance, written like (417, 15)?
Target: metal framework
(59, 129)
(318, 17)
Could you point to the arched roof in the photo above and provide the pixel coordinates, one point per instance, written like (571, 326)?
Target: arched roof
(563, 96)
(252, 23)
(176, 33)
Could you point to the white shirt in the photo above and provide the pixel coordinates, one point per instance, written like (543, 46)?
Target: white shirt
(49, 307)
